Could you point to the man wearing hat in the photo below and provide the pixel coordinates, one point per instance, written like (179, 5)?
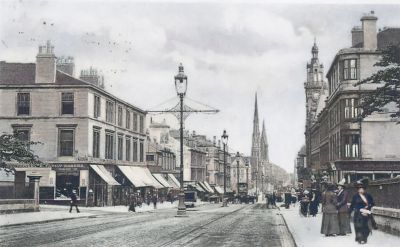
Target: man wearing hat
(362, 203)
(343, 209)
(74, 202)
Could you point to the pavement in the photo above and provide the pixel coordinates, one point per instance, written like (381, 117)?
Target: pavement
(306, 232)
(206, 225)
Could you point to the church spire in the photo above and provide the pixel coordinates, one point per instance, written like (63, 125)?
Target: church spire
(264, 143)
(256, 128)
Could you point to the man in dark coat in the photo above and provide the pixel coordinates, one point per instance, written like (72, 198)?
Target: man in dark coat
(74, 202)
(343, 216)
(362, 204)
(314, 202)
(132, 203)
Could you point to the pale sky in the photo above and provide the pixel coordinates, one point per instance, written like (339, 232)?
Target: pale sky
(229, 50)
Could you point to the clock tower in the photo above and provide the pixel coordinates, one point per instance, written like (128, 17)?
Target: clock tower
(314, 86)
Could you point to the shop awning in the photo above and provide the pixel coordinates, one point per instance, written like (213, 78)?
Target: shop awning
(219, 190)
(140, 176)
(149, 179)
(174, 180)
(161, 180)
(104, 174)
(133, 177)
(205, 187)
(208, 187)
(199, 188)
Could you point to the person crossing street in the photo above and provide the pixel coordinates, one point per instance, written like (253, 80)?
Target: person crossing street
(74, 202)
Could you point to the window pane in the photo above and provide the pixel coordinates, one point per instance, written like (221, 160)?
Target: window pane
(66, 142)
(135, 151)
(67, 103)
(96, 144)
(97, 106)
(128, 149)
(120, 147)
(128, 119)
(110, 112)
(23, 103)
(135, 122)
(109, 146)
(141, 152)
(119, 116)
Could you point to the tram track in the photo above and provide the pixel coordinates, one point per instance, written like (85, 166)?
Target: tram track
(173, 241)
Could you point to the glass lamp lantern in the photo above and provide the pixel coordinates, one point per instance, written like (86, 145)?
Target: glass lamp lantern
(224, 137)
(181, 81)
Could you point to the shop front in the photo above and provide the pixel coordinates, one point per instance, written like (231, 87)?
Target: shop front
(144, 184)
(69, 178)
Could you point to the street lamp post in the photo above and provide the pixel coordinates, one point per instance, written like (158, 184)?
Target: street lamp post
(256, 185)
(262, 186)
(247, 175)
(181, 87)
(237, 164)
(224, 138)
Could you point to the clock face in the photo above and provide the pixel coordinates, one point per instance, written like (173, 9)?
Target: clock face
(315, 96)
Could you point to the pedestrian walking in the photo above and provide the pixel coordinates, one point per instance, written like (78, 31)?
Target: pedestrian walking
(330, 223)
(154, 201)
(362, 203)
(132, 203)
(74, 202)
(343, 209)
(304, 203)
(274, 199)
(314, 202)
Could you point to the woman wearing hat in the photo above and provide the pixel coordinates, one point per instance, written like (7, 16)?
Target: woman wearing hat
(343, 209)
(362, 203)
(330, 224)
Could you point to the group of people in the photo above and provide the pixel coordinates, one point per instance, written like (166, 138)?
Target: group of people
(336, 211)
(309, 202)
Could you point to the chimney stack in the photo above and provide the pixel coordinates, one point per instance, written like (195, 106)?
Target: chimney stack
(356, 37)
(45, 64)
(370, 39)
(66, 65)
(90, 75)
(214, 140)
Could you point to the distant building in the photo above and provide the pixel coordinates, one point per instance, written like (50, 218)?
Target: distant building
(336, 143)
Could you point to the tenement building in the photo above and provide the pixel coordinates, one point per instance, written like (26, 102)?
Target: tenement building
(93, 141)
(335, 141)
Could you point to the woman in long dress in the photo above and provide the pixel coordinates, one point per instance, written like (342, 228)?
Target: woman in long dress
(330, 223)
(343, 209)
(362, 204)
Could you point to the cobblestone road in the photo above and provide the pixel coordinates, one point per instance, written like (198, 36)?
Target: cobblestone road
(208, 225)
